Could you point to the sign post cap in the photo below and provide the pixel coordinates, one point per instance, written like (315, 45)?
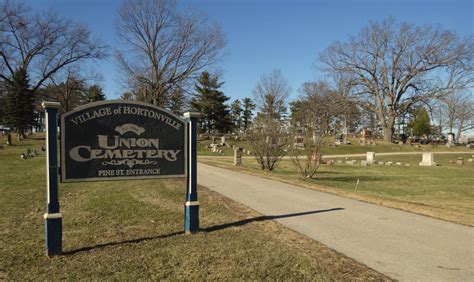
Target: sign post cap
(191, 115)
(50, 104)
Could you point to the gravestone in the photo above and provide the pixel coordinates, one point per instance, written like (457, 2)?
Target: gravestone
(364, 163)
(298, 142)
(34, 152)
(469, 160)
(366, 136)
(9, 139)
(398, 163)
(427, 160)
(450, 140)
(370, 157)
(460, 161)
(223, 140)
(237, 156)
(213, 138)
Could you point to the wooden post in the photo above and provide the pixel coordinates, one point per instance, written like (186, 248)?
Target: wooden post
(52, 217)
(191, 207)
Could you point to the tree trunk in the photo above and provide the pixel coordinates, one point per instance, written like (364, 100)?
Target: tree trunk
(388, 129)
(387, 134)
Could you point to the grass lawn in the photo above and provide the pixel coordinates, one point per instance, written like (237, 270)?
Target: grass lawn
(445, 191)
(353, 148)
(133, 230)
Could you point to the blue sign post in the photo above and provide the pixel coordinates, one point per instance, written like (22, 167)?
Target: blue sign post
(52, 217)
(118, 140)
(191, 207)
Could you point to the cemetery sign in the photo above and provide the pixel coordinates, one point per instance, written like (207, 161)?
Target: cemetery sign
(122, 140)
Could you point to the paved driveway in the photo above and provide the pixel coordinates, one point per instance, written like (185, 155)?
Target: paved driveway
(400, 244)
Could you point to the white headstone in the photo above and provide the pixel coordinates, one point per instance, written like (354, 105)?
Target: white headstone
(370, 157)
(428, 160)
(222, 140)
(450, 140)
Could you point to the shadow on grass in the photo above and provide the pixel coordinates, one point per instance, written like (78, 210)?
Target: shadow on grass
(209, 229)
(132, 241)
(263, 218)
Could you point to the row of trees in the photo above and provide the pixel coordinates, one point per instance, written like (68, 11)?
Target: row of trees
(375, 78)
(380, 77)
(217, 116)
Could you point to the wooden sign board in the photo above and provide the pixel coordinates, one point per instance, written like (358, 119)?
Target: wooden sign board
(114, 140)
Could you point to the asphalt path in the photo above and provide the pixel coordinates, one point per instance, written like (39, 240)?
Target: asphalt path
(402, 245)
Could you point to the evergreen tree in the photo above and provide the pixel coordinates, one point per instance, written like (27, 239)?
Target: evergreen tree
(94, 93)
(19, 103)
(127, 96)
(248, 107)
(236, 114)
(210, 102)
(176, 102)
(421, 123)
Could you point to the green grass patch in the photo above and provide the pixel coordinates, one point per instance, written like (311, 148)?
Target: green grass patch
(128, 230)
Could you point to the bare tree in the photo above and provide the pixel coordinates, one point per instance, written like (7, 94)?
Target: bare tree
(164, 49)
(325, 109)
(41, 44)
(268, 141)
(68, 90)
(271, 94)
(459, 112)
(308, 157)
(395, 66)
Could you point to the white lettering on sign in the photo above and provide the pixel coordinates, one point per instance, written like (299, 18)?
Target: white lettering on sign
(123, 151)
(126, 110)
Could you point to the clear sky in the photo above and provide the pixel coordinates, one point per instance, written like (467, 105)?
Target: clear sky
(263, 35)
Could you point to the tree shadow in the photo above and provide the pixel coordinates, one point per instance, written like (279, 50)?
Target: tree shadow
(208, 229)
(263, 218)
(139, 240)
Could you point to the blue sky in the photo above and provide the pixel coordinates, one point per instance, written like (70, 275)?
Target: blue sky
(263, 35)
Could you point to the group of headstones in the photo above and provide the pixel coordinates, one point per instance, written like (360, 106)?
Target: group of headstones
(426, 160)
(460, 160)
(216, 147)
(30, 153)
(366, 137)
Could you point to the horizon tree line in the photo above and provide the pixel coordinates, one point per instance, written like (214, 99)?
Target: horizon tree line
(373, 79)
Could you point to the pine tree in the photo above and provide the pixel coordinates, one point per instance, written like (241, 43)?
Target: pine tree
(95, 93)
(248, 106)
(421, 123)
(19, 103)
(210, 102)
(236, 114)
